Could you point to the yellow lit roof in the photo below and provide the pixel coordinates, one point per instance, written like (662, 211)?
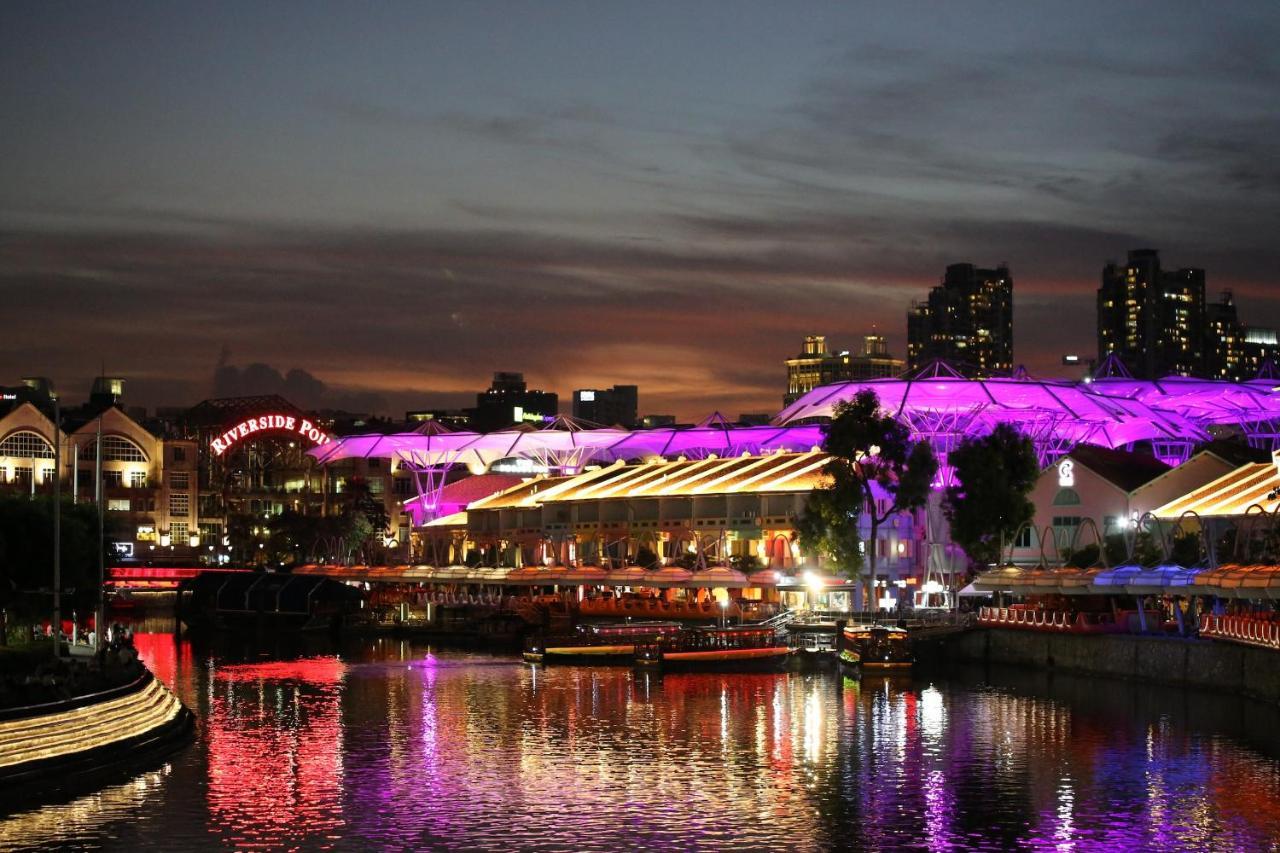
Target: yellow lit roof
(779, 472)
(1230, 494)
(457, 519)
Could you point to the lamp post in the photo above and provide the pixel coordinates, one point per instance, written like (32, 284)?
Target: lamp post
(57, 527)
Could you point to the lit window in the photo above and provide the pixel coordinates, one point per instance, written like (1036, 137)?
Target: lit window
(179, 504)
(114, 449)
(26, 445)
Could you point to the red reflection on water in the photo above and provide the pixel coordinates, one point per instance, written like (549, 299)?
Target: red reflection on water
(163, 656)
(274, 734)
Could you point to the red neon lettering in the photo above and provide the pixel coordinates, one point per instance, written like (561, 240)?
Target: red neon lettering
(218, 446)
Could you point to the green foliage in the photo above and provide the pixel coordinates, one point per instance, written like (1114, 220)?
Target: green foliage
(828, 526)
(646, 558)
(26, 555)
(866, 448)
(988, 503)
(746, 563)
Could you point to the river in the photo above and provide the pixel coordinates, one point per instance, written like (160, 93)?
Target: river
(393, 745)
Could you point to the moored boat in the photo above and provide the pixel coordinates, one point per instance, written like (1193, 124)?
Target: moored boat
(738, 647)
(876, 648)
(615, 643)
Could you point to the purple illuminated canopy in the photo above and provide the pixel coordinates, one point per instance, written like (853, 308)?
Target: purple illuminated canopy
(1114, 411)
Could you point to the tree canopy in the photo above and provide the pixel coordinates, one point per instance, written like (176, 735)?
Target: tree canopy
(987, 504)
(875, 468)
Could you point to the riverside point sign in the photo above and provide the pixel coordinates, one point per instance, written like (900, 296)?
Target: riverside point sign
(269, 423)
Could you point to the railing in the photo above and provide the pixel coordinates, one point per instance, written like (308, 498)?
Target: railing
(1060, 621)
(1250, 630)
(655, 608)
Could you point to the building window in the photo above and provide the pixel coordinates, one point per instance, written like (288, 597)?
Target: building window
(1064, 531)
(403, 486)
(112, 479)
(375, 486)
(26, 445)
(179, 454)
(22, 475)
(118, 505)
(137, 479)
(115, 448)
(179, 532)
(1066, 497)
(1025, 538)
(180, 480)
(180, 504)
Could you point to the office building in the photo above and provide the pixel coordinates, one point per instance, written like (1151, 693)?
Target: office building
(966, 321)
(616, 406)
(509, 401)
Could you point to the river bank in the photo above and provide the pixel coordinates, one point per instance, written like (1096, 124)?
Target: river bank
(1176, 661)
(69, 725)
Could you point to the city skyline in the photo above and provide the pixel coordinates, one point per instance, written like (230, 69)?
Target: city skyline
(401, 207)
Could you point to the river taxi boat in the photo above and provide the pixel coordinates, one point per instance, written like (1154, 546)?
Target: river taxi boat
(609, 643)
(876, 648)
(731, 648)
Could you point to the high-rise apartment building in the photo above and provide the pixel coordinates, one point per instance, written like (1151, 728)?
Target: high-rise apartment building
(966, 321)
(1233, 350)
(816, 366)
(616, 406)
(1153, 319)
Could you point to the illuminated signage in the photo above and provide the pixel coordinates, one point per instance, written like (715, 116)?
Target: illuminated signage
(518, 466)
(269, 423)
(587, 396)
(1066, 474)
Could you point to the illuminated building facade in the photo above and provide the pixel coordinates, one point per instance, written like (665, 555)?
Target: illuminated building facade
(1152, 319)
(172, 488)
(815, 366)
(738, 511)
(966, 321)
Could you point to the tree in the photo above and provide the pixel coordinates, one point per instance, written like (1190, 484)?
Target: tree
(987, 504)
(876, 468)
(26, 556)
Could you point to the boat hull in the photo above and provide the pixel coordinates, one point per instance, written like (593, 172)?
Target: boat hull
(767, 657)
(621, 653)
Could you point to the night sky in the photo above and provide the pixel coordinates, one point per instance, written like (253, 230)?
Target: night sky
(387, 202)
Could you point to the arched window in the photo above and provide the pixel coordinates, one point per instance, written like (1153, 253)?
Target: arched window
(26, 444)
(1066, 497)
(115, 448)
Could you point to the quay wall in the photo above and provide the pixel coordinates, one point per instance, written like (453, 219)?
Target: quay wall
(67, 745)
(1206, 664)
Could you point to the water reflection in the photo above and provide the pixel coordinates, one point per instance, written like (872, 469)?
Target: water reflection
(390, 745)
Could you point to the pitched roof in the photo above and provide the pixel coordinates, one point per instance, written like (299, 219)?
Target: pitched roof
(1127, 471)
(1231, 494)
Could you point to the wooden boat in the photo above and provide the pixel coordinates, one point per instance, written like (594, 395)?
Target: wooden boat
(876, 648)
(738, 647)
(602, 643)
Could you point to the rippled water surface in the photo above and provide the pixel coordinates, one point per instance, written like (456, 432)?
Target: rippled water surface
(393, 745)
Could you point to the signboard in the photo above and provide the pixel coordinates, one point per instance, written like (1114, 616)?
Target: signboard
(1066, 474)
(269, 423)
